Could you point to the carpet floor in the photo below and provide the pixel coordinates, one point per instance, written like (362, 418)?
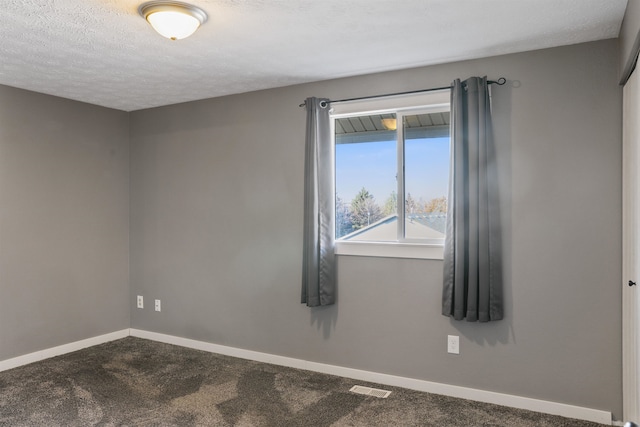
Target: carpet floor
(136, 382)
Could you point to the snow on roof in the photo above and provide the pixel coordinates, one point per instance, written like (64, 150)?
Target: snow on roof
(418, 226)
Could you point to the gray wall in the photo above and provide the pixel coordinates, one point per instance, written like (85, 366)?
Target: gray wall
(64, 188)
(216, 222)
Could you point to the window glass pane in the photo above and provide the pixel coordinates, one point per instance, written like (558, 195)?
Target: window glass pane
(426, 139)
(366, 164)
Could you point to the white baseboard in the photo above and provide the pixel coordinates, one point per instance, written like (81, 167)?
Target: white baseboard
(61, 349)
(547, 407)
(553, 408)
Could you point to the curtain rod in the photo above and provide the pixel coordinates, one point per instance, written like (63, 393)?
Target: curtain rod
(498, 82)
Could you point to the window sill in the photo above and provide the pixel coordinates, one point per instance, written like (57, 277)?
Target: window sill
(390, 250)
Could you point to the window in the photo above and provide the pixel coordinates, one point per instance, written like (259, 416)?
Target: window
(392, 172)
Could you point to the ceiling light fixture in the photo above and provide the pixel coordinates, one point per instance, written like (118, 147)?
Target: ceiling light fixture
(172, 19)
(390, 124)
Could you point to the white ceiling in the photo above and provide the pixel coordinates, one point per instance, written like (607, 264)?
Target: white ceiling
(104, 53)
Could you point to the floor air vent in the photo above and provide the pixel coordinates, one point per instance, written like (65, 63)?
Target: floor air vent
(370, 391)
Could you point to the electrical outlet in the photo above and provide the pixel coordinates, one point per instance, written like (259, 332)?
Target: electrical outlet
(158, 305)
(140, 301)
(453, 344)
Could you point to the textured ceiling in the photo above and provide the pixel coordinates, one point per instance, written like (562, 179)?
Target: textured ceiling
(104, 53)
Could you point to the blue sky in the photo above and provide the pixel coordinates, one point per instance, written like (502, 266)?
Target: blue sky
(373, 166)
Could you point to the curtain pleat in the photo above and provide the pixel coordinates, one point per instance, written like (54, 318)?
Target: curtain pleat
(318, 266)
(472, 279)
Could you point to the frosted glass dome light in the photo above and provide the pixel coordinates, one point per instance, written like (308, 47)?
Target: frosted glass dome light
(171, 19)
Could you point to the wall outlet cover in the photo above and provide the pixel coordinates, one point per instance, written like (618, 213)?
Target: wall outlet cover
(453, 344)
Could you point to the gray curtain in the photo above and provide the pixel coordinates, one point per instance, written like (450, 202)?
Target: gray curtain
(472, 287)
(318, 275)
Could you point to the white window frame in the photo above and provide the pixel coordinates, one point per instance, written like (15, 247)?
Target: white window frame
(401, 105)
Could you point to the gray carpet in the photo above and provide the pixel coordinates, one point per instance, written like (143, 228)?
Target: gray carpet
(136, 382)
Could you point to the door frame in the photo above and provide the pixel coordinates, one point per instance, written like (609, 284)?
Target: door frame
(631, 246)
